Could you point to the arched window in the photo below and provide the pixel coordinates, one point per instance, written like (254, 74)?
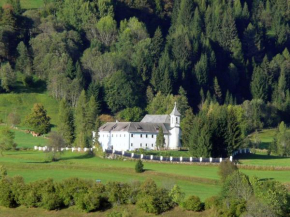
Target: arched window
(177, 120)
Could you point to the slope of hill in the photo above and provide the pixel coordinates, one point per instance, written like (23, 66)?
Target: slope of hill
(27, 4)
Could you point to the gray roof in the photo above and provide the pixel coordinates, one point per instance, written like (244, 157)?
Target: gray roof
(133, 127)
(175, 111)
(156, 119)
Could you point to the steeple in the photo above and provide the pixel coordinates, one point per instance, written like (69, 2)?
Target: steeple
(175, 117)
(175, 112)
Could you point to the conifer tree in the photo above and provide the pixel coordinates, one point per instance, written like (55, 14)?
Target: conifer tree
(66, 124)
(157, 44)
(186, 127)
(23, 62)
(217, 90)
(92, 113)
(7, 76)
(233, 134)
(160, 140)
(185, 13)
(259, 86)
(38, 120)
(81, 121)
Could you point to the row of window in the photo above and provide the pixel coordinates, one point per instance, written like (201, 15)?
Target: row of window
(146, 145)
(141, 135)
(132, 135)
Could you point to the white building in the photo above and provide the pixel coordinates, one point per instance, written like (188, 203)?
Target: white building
(123, 136)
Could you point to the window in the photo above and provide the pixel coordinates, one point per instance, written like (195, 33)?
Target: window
(112, 135)
(131, 134)
(131, 144)
(140, 144)
(141, 135)
(146, 136)
(152, 145)
(146, 144)
(177, 120)
(124, 135)
(152, 136)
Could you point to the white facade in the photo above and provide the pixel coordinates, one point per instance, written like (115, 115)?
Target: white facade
(124, 136)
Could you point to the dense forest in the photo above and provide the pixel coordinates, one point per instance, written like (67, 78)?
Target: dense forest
(225, 62)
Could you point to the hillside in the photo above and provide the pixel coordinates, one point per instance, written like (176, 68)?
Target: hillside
(27, 4)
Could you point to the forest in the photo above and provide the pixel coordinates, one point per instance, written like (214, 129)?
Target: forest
(226, 64)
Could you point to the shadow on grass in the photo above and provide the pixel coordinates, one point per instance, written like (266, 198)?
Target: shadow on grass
(79, 157)
(266, 179)
(257, 157)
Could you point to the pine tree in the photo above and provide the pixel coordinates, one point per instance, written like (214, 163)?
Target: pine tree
(7, 76)
(157, 45)
(217, 91)
(92, 113)
(70, 70)
(160, 140)
(182, 102)
(23, 61)
(259, 85)
(233, 134)
(185, 13)
(66, 125)
(186, 127)
(38, 120)
(81, 121)
(197, 24)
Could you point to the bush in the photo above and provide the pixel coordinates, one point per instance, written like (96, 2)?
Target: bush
(118, 192)
(6, 195)
(139, 167)
(226, 168)
(70, 189)
(176, 194)
(152, 199)
(155, 203)
(211, 202)
(89, 201)
(192, 203)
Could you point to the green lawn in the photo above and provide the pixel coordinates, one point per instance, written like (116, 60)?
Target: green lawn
(193, 179)
(27, 4)
(22, 103)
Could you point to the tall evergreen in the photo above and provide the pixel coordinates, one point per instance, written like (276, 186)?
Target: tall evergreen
(81, 121)
(23, 62)
(66, 122)
(92, 113)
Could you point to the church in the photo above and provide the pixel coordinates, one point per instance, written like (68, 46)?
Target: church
(128, 136)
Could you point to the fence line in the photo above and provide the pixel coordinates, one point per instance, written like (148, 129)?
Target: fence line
(74, 149)
(151, 157)
(175, 159)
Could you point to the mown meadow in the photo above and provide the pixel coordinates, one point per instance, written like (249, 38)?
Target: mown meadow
(27, 4)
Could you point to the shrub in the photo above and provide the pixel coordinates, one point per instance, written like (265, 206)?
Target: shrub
(192, 203)
(155, 203)
(211, 202)
(139, 167)
(152, 199)
(6, 195)
(89, 201)
(70, 188)
(176, 194)
(118, 192)
(226, 168)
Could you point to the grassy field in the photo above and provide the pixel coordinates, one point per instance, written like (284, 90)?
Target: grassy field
(193, 179)
(27, 4)
(260, 158)
(22, 103)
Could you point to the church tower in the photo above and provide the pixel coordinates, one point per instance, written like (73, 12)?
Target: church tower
(175, 132)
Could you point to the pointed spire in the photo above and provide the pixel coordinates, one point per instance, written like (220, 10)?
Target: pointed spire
(175, 112)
